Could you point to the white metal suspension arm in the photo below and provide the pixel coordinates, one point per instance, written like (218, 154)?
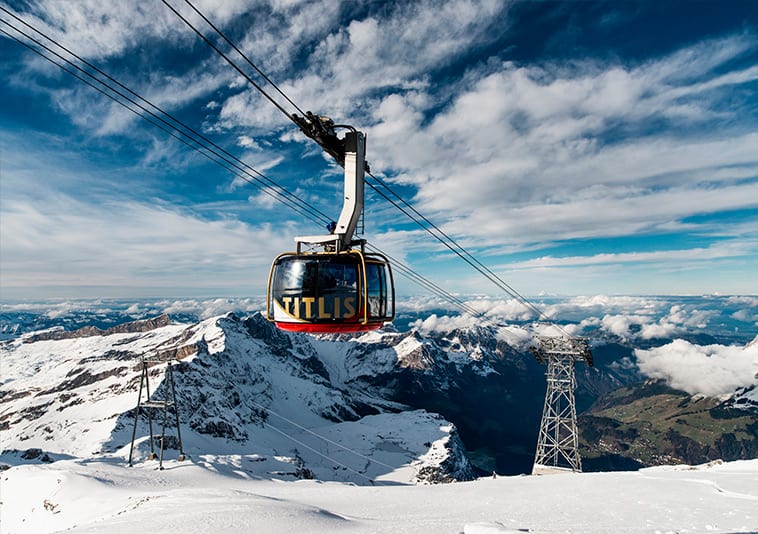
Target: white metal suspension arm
(352, 207)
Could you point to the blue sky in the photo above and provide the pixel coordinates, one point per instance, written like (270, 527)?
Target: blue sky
(575, 148)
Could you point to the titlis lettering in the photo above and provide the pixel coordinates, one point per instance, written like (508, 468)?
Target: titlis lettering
(316, 308)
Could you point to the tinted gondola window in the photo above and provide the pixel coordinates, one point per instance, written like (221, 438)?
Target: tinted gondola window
(376, 279)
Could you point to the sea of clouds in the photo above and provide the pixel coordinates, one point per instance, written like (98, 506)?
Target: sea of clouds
(703, 345)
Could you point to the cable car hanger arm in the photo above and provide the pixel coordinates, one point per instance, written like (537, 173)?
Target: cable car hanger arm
(350, 152)
(322, 130)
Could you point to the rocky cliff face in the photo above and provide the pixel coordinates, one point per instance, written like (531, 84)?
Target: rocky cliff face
(745, 399)
(492, 390)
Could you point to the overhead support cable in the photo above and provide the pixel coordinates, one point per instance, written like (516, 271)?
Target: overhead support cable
(173, 127)
(160, 118)
(321, 437)
(199, 143)
(455, 248)
(413, 276)
(226, 58)
(320, 129)
(404, 269)
(318, 453)
(243, 56)
(210, 150)
(411, 212)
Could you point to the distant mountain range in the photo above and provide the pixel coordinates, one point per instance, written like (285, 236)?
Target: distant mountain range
(449, 403)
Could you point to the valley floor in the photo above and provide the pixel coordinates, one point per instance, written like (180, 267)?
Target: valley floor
(224, 494)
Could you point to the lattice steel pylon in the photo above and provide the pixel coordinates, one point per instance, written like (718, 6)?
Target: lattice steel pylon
(558, 442)
(165, 404)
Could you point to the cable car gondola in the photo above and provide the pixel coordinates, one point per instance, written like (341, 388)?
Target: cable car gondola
(339, 288)
(330, 292)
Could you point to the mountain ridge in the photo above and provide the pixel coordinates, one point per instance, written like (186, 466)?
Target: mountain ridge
(228, 385)
(243, 370)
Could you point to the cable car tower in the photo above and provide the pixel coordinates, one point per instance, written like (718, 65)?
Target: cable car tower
(168, 402)
(339, 288)
(558, 442)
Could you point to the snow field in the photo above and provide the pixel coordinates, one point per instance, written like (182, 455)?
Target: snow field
(106, 496)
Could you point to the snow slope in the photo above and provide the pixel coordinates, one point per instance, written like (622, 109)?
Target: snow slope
(213, 494)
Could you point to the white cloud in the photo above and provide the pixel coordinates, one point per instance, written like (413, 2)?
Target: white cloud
(621, 325)
(746, 300)
(652, 325)
(348, 65)
(746, 316)
(445, 323)
(201, 308)
(711, 370)
(583, 305)
(64, 242)
(630, 318)
(251, 177)
(516, 336)
(748, 311)
(489, 311)
(55, 310)
(519, 155)
(95, 29)
(678, 320)
(247, 142)
(508, 310)
(725, 249)
(211, 307)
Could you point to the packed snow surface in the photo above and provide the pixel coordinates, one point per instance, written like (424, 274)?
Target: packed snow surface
(223, 494)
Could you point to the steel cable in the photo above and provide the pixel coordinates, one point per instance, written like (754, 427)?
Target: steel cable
(426, 225)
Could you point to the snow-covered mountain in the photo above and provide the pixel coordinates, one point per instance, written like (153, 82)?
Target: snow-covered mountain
(242, 387)
(241, 383)
(258, 406)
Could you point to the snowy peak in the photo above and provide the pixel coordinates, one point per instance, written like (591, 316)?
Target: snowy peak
(244, 387)
(241, 385)
(378, 358)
